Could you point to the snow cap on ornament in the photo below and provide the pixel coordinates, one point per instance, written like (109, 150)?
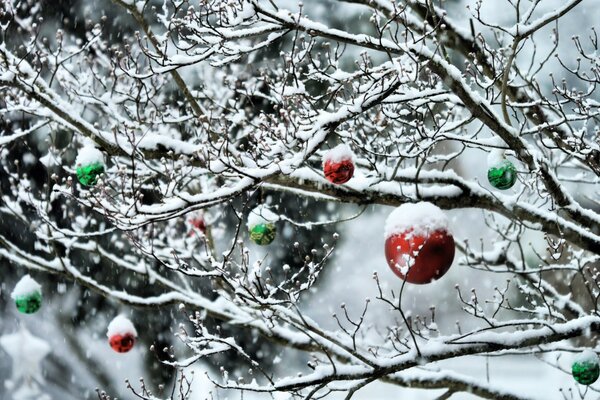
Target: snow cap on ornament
(89, 165)
(419, 247)
(501, 173)
(27, 295)
(261, 225)
(586, 367)
(338, 164)
(121, 334)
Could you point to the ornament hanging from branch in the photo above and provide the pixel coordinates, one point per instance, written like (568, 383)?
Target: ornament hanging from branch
(338, 164)
(586, 367)
(89, 165)
(27, 295)
(121, 334)
(501, 173)
(261, 225)
(197, 224)
(419, 247)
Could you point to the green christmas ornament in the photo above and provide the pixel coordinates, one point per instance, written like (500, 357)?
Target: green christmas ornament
(502, 175)
(27, 295)
(89, 165)
(586, 368)
(88, 174)
(263, 234)
(261, 225)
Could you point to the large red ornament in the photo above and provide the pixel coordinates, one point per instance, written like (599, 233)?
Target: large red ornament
(122, 343)
(419, 247)
(338, 166)
(426, 258)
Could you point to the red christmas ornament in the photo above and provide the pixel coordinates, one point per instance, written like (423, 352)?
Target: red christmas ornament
(197, 222)
(418, 247)
(122, 343)
(338, 165)
(121, 334)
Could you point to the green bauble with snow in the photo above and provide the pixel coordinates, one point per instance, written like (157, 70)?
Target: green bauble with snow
(27, 295)
(261, 225)
(501, 173)
(89, 165)
(586, 367)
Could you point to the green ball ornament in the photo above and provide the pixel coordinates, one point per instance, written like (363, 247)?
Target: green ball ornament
(27, 295)
(263, 234)
(88, 174)
(261, 225)
(89, 165)
(29, 304)
(586, 368)
(502, 175)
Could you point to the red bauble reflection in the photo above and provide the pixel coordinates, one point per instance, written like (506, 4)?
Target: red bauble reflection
(122, 343)
(430, 255)
(338, 172)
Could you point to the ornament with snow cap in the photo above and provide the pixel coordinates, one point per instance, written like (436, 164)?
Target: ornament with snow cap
(501, 173)
(586, 367)
(89, 165)
(419, 247)
(261, 225)
(27, 295)
(121, 334)
(338, 164)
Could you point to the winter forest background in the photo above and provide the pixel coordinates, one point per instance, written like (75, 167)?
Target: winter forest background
(207, 109)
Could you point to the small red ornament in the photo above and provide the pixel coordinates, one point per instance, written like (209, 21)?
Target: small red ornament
(122, 343)
(338, 166)
(121, 334)
(197, 222)
(419, 247)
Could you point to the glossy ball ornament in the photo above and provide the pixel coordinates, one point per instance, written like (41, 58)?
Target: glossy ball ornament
(27, 295)
(502, 174)
(338, 164)
(89, 165)
(586, 367)
(121, 334)
(263, 234)
(419, 247)
(261, 225)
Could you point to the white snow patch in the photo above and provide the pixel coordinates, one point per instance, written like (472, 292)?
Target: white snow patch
(29, 159)
(49, 160)
(120, 325)
(495, 157)
(587, 356)
(27, 285)
(339, 153)
(89, 155)
(420, 218)
(261, 215)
